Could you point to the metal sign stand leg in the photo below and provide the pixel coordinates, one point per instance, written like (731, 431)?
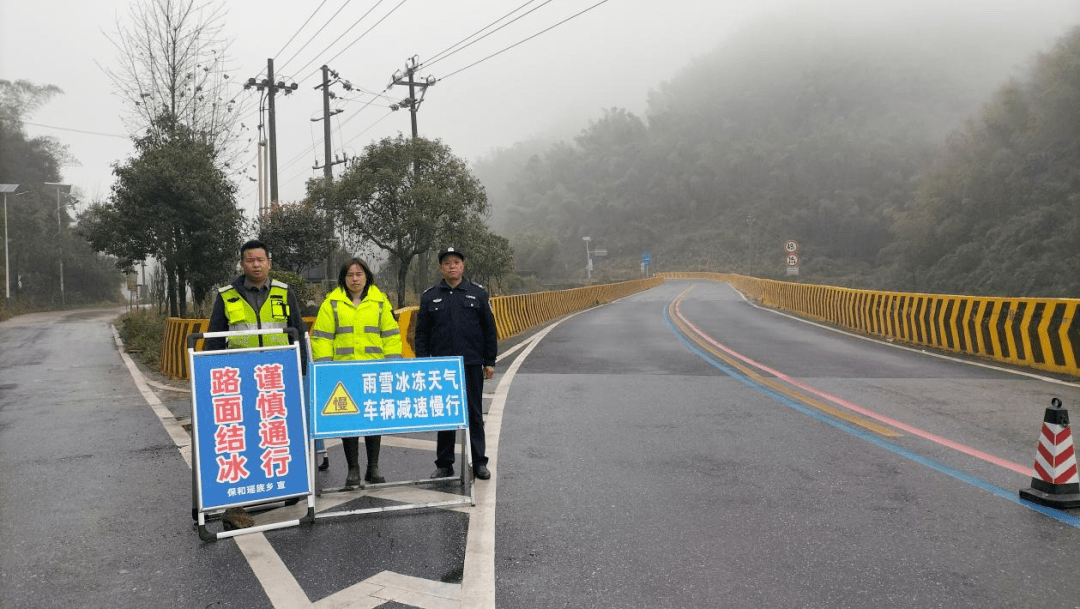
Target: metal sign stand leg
(465, 477)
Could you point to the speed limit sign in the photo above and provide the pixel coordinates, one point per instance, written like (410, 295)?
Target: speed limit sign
(790, 246)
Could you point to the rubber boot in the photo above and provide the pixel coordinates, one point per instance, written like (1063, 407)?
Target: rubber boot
(320, 450)
(352, 459)
(372, 445)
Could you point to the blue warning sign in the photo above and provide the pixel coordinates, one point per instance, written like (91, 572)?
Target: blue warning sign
(388, 396)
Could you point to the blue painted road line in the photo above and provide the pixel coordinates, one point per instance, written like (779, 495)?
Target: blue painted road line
(1012, 496)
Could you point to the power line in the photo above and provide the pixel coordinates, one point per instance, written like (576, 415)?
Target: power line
(347, 98)
(303, 153)
(543, 31)
(312, 16)
(124, 137)
(338, 130)
(362, 108)
(366, 32)
(316, 34)
(369, 128)
(451, 49)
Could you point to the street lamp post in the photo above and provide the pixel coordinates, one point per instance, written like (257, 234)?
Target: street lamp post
(6, 188)
(59, 243)
(588, 259)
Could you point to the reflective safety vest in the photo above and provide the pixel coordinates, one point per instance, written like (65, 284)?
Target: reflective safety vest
(274, 313)
(346, 332)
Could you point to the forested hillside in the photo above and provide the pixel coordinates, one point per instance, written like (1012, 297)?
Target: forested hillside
(835, 136)
(999, 211)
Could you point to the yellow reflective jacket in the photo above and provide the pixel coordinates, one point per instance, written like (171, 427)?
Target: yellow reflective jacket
(274, 313)
(346, 332)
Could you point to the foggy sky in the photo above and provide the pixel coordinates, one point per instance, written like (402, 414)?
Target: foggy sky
(610, 56)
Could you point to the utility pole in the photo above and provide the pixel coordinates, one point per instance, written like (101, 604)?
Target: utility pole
(271, 88)
(413, 103)
(262, 173)
(65, 188)
(327, 166)
(6, 188)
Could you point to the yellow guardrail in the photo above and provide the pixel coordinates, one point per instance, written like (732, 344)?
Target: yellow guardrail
(1040, 333)
(518, 313)
(174, 345)
(513, 315)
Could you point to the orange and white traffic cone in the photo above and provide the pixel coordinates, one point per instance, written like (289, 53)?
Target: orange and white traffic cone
(1055, 483)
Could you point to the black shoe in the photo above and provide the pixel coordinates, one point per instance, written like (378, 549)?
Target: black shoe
(481, 472)
(325, 464)
(443, 472)
(236, 518)
(374, 474)
(352, 480)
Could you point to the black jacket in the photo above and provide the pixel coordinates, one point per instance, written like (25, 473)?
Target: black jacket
(456, 321)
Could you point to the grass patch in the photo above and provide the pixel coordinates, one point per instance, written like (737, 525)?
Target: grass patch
(143, 331)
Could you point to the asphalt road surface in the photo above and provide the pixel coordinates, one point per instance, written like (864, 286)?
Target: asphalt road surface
(678, 448)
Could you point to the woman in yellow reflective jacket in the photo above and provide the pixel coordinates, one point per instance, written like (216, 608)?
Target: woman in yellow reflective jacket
(356, 322)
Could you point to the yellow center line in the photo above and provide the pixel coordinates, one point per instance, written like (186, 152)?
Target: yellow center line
(773, 384)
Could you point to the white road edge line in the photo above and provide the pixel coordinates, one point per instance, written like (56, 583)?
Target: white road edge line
(478, 579)
(277, 581)
(172, 427)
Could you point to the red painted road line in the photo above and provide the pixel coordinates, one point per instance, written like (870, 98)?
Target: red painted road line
(963, 448)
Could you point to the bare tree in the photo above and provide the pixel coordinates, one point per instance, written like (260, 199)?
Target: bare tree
(172, 60)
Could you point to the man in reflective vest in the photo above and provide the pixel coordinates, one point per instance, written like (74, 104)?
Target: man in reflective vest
(253, 302)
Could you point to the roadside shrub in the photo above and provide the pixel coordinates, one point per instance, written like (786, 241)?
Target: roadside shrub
(143, 331)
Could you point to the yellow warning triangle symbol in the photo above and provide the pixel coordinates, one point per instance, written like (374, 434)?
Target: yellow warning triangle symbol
(340, 402)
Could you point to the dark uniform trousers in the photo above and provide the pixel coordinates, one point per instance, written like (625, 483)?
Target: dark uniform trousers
(474, 390)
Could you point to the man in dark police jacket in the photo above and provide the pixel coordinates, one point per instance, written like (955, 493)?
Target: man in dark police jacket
(455, 318)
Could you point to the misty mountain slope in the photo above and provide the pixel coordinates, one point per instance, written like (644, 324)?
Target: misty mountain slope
(816, 133)
(790, 130)
(999, 212)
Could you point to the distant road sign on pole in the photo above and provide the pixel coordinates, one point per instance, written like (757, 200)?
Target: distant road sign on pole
(792, 259)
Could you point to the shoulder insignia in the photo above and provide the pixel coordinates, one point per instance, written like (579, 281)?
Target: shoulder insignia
(429, 289)
(477, 284)
(278, 284)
